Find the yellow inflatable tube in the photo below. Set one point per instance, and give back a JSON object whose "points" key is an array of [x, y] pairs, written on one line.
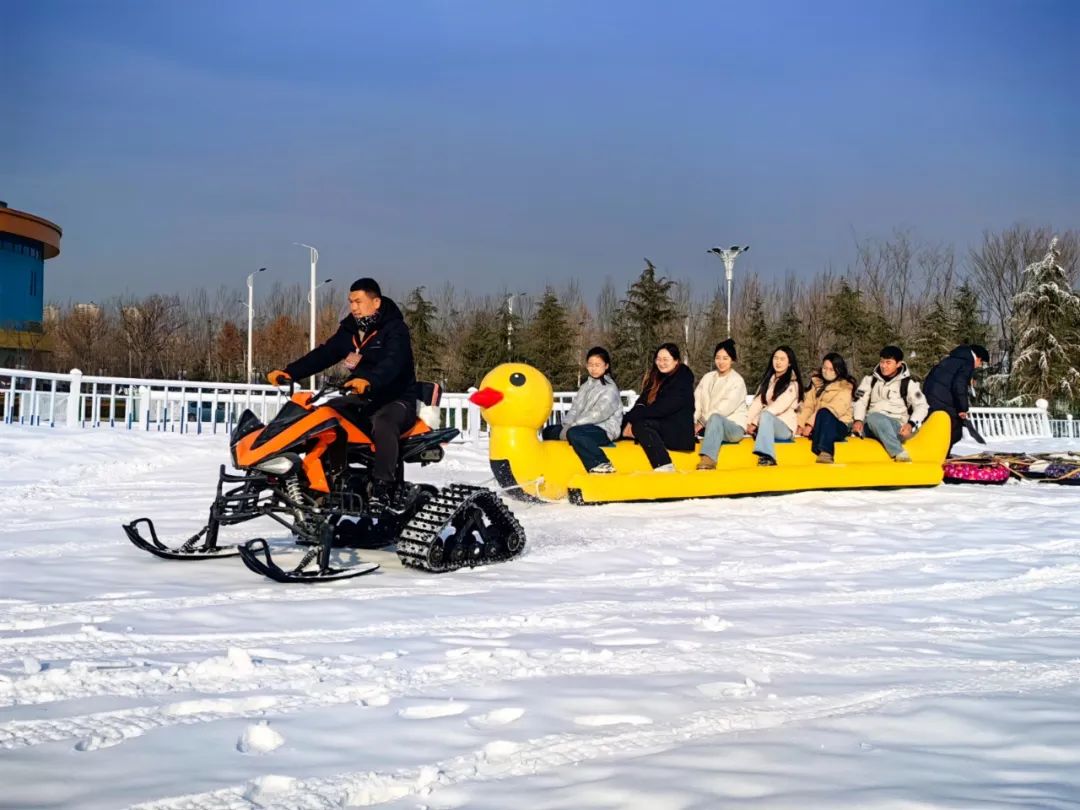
{"points": [[516, 400]]}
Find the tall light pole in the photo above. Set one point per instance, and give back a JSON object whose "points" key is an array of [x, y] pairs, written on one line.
{"points": [[727, 255], [313, 255], [251, 315], [311, 300], [510, 321]]}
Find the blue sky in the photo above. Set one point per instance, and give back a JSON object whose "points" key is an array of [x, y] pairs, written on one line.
{"points": [[509, 144]]}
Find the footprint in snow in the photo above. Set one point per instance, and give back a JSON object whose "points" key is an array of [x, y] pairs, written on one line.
{"points": [[494, 719], [626, 641], [612, 720], [432, 710]]}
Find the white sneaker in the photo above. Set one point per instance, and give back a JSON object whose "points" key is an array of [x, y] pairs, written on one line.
{"points": [[902, 456], [664, 468], [604, 468]]}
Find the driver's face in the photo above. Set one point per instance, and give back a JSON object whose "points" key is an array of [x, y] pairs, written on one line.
{"points": [[361, 305]]}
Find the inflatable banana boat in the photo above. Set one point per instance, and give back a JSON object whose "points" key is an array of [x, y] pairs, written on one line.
{"points": [[516, 401]]}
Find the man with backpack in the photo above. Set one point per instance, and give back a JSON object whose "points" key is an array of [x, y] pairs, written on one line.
{"points": [[889, 404]]}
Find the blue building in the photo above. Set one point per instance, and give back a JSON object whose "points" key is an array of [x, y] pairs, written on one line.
{"points": [[26, 241]]}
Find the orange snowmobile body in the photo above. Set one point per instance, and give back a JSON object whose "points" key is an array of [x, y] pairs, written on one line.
{"points": [[300, 427]]}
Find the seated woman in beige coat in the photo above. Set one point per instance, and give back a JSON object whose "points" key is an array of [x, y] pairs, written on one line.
{"points": [[826, 416], [720, 405], [774, 411]]}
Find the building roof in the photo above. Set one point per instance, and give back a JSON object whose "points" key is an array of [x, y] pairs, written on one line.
{"points": [[29, 226]]}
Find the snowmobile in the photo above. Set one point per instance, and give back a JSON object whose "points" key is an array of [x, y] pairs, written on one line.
{"points": [[309, 469]]}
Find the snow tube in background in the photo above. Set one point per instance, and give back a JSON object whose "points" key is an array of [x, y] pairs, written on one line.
{"points": [[969, 472]]}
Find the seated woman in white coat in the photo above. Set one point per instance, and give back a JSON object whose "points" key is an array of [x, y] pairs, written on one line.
{"points": [[720, 405]]}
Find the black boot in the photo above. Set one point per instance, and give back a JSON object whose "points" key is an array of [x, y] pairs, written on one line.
{"points": [[382, 498]]}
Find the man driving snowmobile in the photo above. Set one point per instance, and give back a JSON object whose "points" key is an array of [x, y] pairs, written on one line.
{"points": [[374, 342]]}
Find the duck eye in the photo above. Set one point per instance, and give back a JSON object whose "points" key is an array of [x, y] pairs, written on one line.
{"points": [[517, 378]]}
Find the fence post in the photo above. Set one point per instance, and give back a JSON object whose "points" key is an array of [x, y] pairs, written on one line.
{"points": [[1044, 418], [144, 406], [9, 403], [74, 402], [474, 415]]}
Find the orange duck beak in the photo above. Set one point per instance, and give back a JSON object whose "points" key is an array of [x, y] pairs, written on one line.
{"points": [[486, 397]]}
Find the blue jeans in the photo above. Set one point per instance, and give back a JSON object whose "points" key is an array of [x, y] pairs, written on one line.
{"points": [[886, 430], [769, 431], [586, 441], [719, 430], [828, 430]]}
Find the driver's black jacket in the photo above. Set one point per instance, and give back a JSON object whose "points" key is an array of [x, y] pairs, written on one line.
{"points": [[386, 357]]}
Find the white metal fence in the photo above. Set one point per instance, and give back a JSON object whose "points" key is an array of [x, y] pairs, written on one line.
{"points": [[181, 406], [188, 406], [1012, 423]]}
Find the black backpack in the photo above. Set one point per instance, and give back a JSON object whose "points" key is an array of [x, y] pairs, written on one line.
{"points": [[905, 386]]}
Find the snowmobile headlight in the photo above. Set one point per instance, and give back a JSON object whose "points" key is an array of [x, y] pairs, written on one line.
{"points": [[278, 465]]}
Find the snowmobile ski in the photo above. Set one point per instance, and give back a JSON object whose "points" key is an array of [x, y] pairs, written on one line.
{"points": [[256, 556], [191, 549]]}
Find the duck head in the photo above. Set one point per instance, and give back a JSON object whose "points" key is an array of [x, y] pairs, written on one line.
{"points": [[514, 395]]}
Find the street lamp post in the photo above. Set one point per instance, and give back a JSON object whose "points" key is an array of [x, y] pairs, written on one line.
{"points": [[311, 300], [251, 315], [510, 322], [727, 255], [313, 255]]}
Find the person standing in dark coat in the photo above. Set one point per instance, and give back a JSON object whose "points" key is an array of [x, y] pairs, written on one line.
{"points": [[946, 386], [663, 417], [373, 341]]}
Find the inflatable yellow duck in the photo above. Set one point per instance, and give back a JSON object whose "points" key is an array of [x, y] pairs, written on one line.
{"points": [[516, 400]]}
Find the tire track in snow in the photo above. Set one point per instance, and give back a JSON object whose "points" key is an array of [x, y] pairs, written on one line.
{"points": [[51, 614], [554, 751], [337, 685], [137, 679], [571, 615]]}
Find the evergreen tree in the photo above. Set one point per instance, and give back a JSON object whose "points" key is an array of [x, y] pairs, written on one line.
{"points": [[644, 320], [714, 329], [846, 318], [1046, 315], [483, 346], [548, 343], [791, 332], [969, 326], [756, 348], [427, 343], [934, 338], [510, 335]]}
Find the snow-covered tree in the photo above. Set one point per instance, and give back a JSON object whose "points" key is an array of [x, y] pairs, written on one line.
{"points": [[1046, 314]]}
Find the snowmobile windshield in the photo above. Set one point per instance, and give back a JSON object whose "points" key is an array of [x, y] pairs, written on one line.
{"points": [[248, 423], [290, 414]]}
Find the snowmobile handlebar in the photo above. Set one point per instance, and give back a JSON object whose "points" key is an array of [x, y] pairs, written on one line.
{"points": [[331, 387]]}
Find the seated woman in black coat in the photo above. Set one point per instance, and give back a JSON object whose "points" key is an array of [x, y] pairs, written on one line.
{"points": [[663, 418]]}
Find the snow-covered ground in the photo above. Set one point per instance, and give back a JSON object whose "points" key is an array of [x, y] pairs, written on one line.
{"points": [[845, 650]]}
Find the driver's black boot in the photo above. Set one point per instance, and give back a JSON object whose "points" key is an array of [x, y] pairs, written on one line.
{"points": [[383, 497]]}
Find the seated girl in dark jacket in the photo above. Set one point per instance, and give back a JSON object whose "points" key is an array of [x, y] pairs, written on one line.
{"points": [[663, 418]]}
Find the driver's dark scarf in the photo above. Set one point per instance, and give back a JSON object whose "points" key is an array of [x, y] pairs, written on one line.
{"points": [[366, 322]]}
